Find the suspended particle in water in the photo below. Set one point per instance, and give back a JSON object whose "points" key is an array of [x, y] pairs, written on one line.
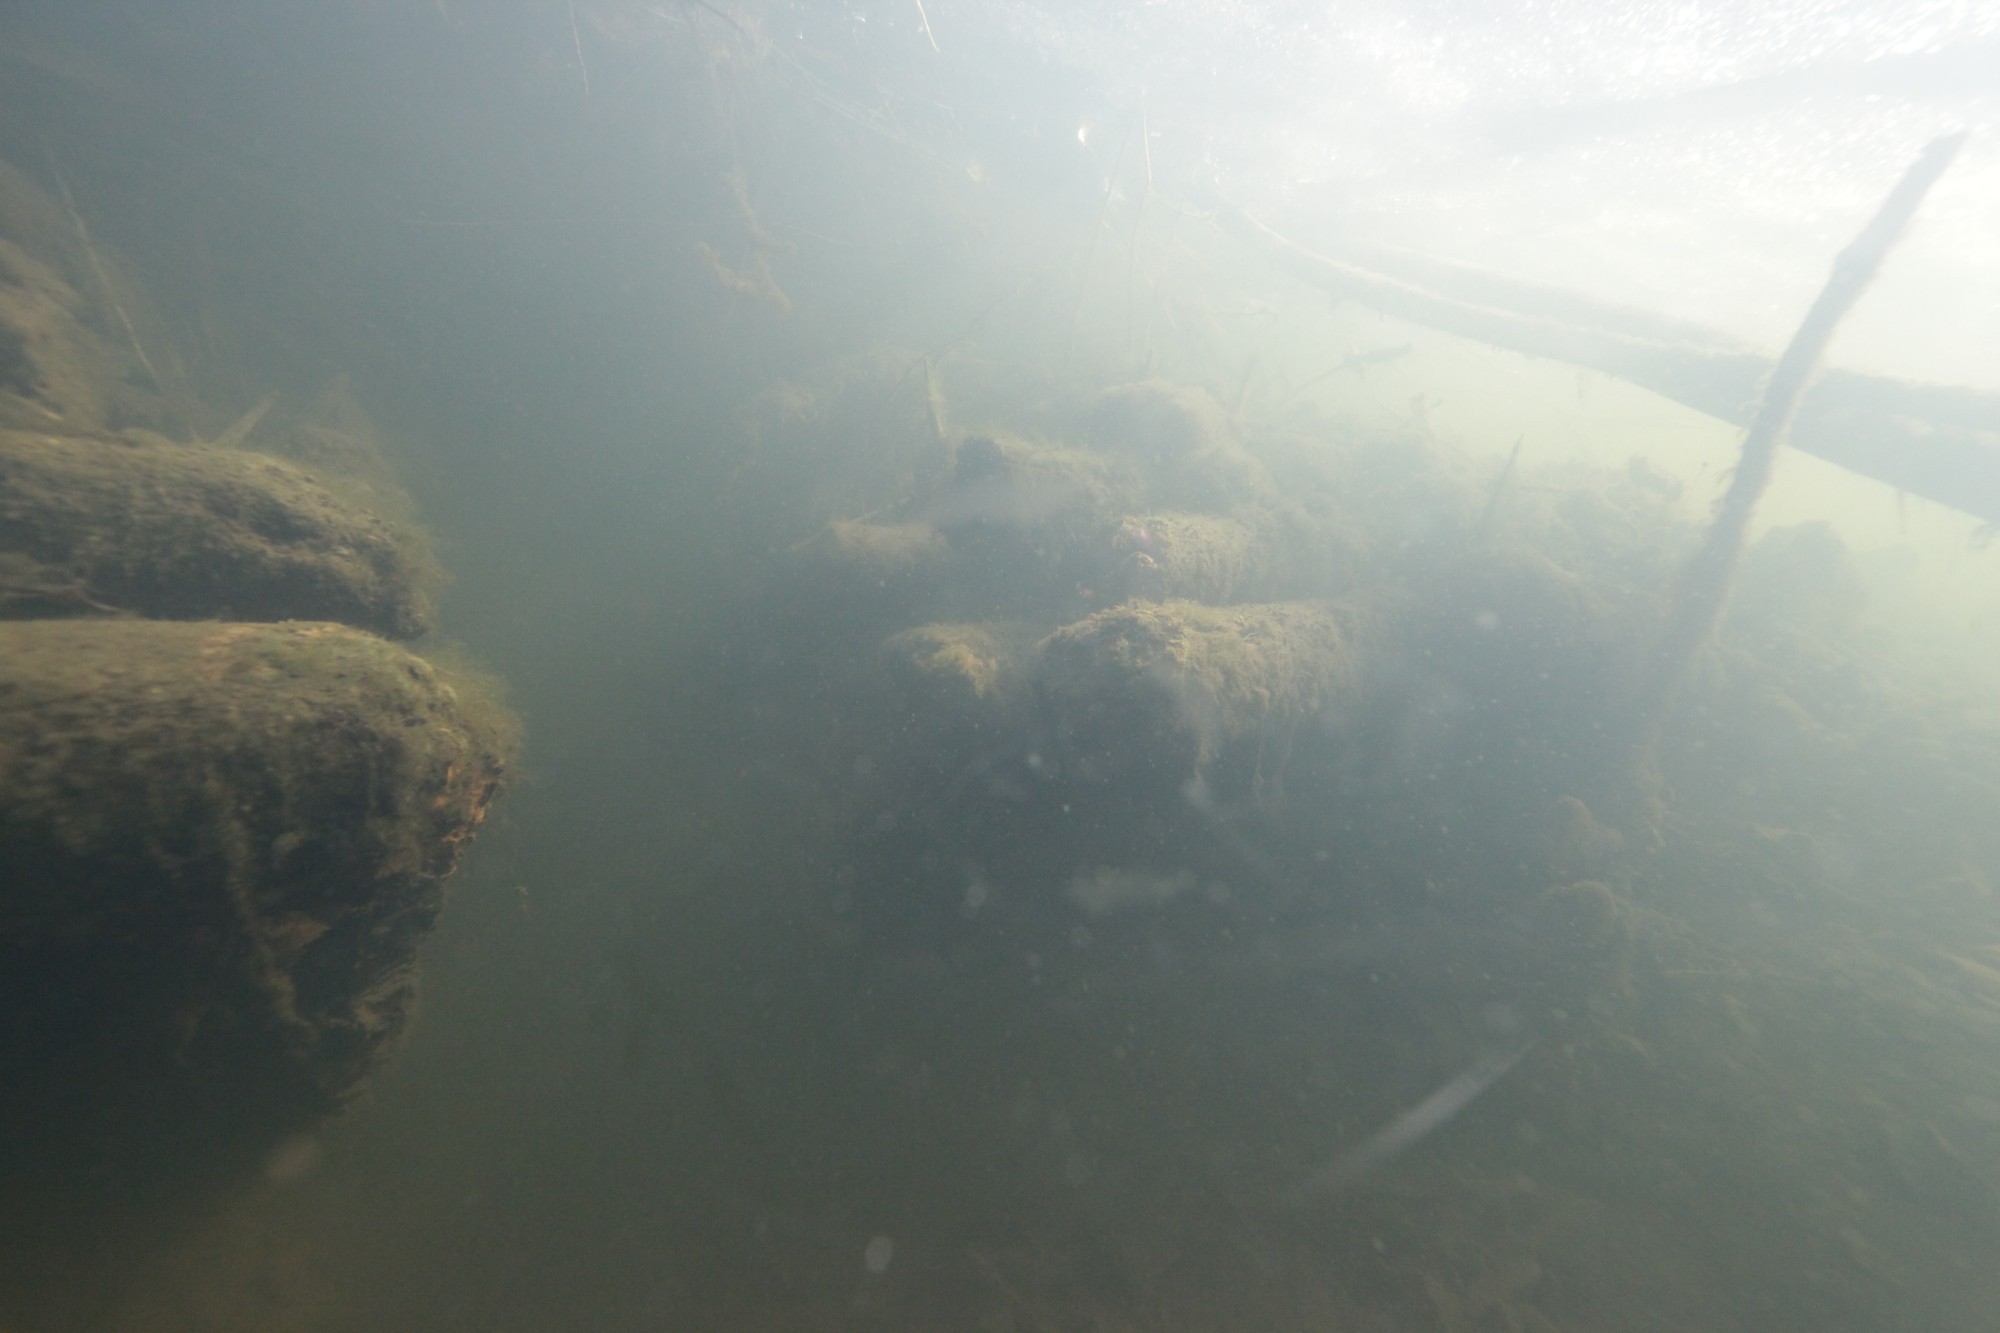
{"points": [[875, 1256], [293, 1160]]}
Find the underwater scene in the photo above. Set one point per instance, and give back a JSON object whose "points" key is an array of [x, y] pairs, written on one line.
{"points": [[878, 665]]}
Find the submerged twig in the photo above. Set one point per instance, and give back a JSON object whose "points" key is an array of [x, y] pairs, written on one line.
{"points": [[103, 276], [576, 40], [1483, 527], [1704, 583], [1096, 233], [1410, 1127], [991, 1272], [1138, 221], [234, 437]]}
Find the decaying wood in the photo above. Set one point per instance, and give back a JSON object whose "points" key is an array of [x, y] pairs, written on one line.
{"points": [[135, 524], [1935, 441], [220, 845]]}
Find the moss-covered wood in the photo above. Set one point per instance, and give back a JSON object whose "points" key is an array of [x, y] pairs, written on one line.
{"points": [[957, 668], [219, 847], [1153, 691], [1175, 555], [54, 370], [90, 525]]}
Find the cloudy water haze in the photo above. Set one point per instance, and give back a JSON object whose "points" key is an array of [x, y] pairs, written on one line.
{"points": [[873, 665]]}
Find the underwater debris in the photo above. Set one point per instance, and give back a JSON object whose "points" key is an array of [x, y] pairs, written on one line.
{"points": [[55, 373], [175, 531], [1181, 438], [755, 279], [1704, 584], [221, 840], [1938, 442], [1004, 482], [1154, 692], [1055, 835], [755, 282], [107, 290], [883, 554], [959, 665], [1174, 556], [1161, 423], [853, 440], [1412, 1126], [71, 354], [221, 844]]}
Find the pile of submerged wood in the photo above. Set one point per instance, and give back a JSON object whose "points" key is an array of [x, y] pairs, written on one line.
{"points": [[227, 797]]}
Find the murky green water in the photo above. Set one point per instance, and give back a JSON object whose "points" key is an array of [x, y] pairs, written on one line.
{"points": [[1075, 776]]}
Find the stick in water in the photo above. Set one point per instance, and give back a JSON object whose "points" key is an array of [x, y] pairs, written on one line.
{"points": [[1704, 584], [576, 40], [1411, 1127]]}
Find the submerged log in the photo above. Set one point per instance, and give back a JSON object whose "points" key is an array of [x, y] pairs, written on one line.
{"points": [[1935, 441], [189, 531], [1151, 693], [1168, 555], [220, 845]]}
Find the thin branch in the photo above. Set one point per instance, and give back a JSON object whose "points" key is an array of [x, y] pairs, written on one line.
{"points": [[576, 40], [174, 402], [1704, 584], [1483, 528]]}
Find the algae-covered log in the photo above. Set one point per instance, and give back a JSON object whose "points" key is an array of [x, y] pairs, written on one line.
{"points": [[1201, 557], [945, 696], [193, 531], [54, 370], [219, 847], [1156, 691], [1003, 483], [1181, 435], [946, 682], [964, 669], [1025, 521], [863, 570]]}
